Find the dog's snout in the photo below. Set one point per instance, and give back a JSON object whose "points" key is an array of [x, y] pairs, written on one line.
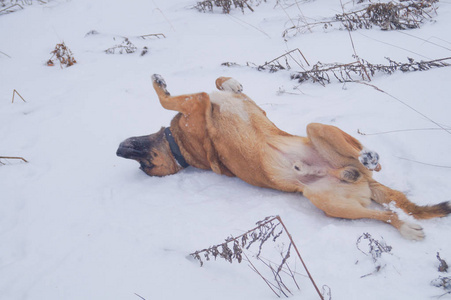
{"points": [[135, 147]]}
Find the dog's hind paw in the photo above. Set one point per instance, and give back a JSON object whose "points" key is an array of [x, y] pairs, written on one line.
{"points": [[370, 160], [232, 85], [412, 231]]}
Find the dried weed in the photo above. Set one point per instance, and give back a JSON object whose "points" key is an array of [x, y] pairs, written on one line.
{"points": [[63, 54], [270, 230], [393, 15], [226, 5], [375, 249]]}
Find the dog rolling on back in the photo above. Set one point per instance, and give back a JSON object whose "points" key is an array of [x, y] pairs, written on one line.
{"points": [[225, 131]]}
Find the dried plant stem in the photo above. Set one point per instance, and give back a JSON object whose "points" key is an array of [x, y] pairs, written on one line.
{"points": [[395, 46], [140, 296], [265, 231], [6, 9], [16, 92], [253, 268], [152, 35], [5, 54], [164, 16], [13, 157], [353, 48], [233, 17], [322, 73], [396, 131], [424, 40], [423, 163], [288, 53], [407, 105], [299, 255]]}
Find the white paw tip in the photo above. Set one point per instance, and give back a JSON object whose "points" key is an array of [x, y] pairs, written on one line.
{"points": [[412, 231], [232, 85]]}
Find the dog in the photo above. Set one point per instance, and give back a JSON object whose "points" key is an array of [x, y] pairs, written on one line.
{"points": [[225, 131]]}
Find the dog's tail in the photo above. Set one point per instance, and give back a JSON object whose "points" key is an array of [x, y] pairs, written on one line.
{"points": [[385, 195]]}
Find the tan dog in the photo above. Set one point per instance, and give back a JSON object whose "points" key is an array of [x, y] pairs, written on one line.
{"points": [[228, 133]]}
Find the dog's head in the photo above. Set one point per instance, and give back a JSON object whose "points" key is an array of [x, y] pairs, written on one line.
{"points": [[152, 152]]}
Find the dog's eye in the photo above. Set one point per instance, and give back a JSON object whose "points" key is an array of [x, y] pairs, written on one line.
{"points": [[154, 154], [297, 168]]}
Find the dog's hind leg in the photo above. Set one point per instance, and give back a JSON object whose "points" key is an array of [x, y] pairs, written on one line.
{"points": [[385, 195], [229, 84], [340, 149], [340, 206]]}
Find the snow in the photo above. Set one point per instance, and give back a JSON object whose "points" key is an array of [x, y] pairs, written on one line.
{"points": [[77, 222]]}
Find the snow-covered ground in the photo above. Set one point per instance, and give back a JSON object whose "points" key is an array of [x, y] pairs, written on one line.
{"points": [[78, 222]]}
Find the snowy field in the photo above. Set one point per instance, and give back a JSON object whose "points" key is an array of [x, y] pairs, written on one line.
{"points": [[78, 222]]}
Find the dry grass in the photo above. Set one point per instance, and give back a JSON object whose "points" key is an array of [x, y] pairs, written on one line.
{"points": [[271, 229], [226, 5], [393, 15], [62, 54], [351, 72]]}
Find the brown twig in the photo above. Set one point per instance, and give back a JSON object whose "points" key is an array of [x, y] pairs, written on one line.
{"points": [[288, 53], [6, 9], [16, 92], [13, 157], [152, 35], [299, 255]]}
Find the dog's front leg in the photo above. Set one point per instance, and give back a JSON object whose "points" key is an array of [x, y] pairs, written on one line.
{"points": [[185, 104]]}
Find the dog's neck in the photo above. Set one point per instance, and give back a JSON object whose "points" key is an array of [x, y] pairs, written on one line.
{"points": [[175, 149]]}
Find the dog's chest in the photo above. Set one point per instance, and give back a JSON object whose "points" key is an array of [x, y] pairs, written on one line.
{"points": [[231, 105]]}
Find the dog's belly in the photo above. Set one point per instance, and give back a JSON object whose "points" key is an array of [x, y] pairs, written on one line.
{"points": [[294, 163], [258, 152]]}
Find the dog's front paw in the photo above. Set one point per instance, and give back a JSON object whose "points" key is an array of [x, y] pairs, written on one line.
{"points": [[159, 81], [370, 160]]}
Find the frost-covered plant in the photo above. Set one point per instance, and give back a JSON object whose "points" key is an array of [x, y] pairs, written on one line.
{"points": [[350, 72], [125, 47], [442, 281], [374, 249], [324, 73], [268, 231], [394, 15], [9, 6], [282, 62], [389, 16], [226, 5]]}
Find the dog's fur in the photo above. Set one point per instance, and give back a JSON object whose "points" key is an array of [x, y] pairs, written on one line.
{"points": [[228, 133]]}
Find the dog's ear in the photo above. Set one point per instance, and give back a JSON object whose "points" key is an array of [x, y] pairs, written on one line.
{"points": [[152, 152]]}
